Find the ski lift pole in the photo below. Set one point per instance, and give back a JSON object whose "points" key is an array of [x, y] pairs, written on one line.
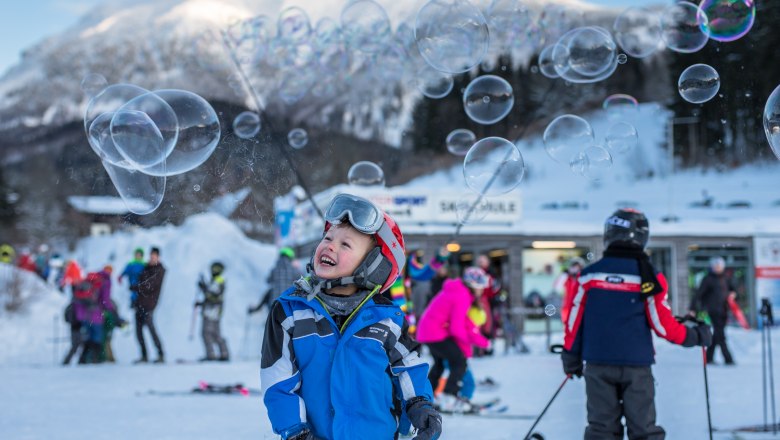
{"points": [[497, 171], [260, 106]]}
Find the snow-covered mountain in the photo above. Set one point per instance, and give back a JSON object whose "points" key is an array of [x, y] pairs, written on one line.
{"points": [[166, 43]]}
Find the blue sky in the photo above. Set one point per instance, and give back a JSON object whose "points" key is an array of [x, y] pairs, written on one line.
{"points": [[25, 22]]}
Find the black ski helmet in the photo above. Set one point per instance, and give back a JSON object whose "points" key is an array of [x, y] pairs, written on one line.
{"points": [[217, 267], [626, 227]]}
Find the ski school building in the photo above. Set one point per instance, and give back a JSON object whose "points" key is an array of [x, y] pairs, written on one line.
{"points": [[530, 239]]}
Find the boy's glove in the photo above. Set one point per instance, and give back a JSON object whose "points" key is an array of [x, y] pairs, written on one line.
{"points": [[305, 434], [425, 418], [572, 363], [700, 334]]}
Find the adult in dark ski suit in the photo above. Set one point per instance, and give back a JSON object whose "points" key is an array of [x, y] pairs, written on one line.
{"points": [[712, 296], [281, 277], [149, 285], [211, 312], [620, 298]]}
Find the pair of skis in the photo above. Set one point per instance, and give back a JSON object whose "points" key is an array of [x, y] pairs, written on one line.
{"points": [[206, 388]]}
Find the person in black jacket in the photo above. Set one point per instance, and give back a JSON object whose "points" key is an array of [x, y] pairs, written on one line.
{"points": [[149, 286], [281, 277], [712, 296]]}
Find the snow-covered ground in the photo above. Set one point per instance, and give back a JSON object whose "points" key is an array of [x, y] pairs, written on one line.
{"points": [[112, 401]]}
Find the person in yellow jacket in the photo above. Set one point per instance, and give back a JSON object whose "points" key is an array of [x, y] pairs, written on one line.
{"points": [[211, 311], [7, 253]]}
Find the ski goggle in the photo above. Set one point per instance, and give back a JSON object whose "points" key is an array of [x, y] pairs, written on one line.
{"points": [[362, 214]]}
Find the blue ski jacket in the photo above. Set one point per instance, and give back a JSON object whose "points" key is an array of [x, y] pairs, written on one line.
{"points": [[348, 383]]}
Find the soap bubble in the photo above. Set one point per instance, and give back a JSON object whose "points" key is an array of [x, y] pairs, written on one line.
{"points": [[137, 138], [621, 137], [365, 25], [578, 164], [620, 105], [565, 136], [297, 138], [141, 192], [92, 84], [433, 84], [145, 128], [550, 310], [99, 136], [488, 99], [591, 51], [772, 121], [365, 173], [196, 187], [199, 132], [574, 67], [729, 20], [546, 65], [293, 26], [684, 27], [599, 162], [452, 35], [246, 125], [109, 100], [637, 31], [493, 166], [459, 141], [622, 58], [699, 83]]}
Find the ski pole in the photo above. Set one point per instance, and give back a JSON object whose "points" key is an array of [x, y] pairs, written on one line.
{"points": [[771, 377], [192, 322], [530, 431], [763, 370], [706, 388]]}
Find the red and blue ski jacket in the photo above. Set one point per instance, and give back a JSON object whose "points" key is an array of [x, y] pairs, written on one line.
{"points": [[348, 383], [610, 320]]}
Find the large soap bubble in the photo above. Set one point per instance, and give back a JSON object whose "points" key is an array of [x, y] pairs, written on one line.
{"points": [[488, 99], [144, 128], [621, 137], [109, 100], [493, 166], [729, 20], [199, 132], [772, 121], [566, 136], [460, 140], [574, 68], [365, 173], [684, 27], [141, 192], [599, 162], [452, 35], [698, 83], [137, 138], [365, 25], [546, 64], [246, 125], [591, 51], [638, 32]]}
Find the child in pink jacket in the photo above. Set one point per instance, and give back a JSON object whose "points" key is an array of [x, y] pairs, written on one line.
{"points": [[448, 332]]}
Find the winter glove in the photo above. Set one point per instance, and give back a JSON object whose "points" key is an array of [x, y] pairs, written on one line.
{"points": [[700, 334], [305, 434], [572, 363], [425, 418], [202, 285]]}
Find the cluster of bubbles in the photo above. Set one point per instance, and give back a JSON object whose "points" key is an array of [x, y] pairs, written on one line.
{"points": [[144, 136]]}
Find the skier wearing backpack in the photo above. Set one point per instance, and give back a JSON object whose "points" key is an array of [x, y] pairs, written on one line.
{"points": [[619, 299], [211, 312], [92, 297]]}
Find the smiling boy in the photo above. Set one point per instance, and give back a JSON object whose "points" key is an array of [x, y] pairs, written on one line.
{"points": [[337, 361]]}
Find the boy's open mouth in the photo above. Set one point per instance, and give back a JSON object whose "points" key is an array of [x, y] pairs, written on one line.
{"points": [[327, 261]]}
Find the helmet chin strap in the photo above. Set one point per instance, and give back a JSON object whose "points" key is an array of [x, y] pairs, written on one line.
{"points": [[313, 284]]}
